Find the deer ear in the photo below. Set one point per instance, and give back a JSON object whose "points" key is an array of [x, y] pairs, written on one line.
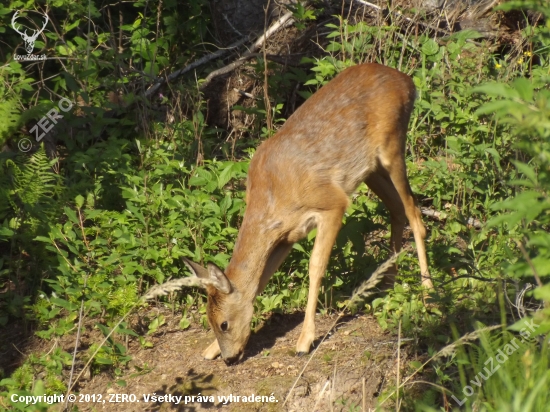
{"points": [[196, 269], [218, 279], [214, 276]]}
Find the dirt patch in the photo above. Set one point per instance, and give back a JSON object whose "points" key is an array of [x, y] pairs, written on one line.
{"points": [[350, 368]]}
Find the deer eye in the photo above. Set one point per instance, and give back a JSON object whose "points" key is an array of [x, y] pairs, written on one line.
{"points": [[223, 326]]}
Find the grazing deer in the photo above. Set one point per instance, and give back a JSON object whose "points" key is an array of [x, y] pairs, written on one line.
{"points": [[352, 130]]}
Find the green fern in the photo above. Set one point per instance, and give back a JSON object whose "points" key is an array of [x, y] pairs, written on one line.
{"points": [[29, 187]]}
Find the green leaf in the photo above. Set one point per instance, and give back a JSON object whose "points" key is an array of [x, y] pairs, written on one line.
{"points": [[226, 175], [524, 88], [198, 181], [79, 200], [495, 156], [184, 323], [494, 107], [496, 89], [155, 324], [103, 361], [527, 170], [71, 214], [4, 231], [430, 47], [64, 304], [522, 200]]}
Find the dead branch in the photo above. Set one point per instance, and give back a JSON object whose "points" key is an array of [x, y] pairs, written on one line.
{"points": [[455, 278], [282, 22], [476, 223], [245, 94], [201, 61]]}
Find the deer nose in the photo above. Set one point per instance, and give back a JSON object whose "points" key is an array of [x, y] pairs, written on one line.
{"points": [[234, 359], [231, 361]]}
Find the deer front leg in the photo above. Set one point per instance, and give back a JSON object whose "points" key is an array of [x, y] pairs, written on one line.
{"points": [[212, 352], [327, 230]]}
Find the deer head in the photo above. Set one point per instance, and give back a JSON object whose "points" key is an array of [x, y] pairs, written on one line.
{"points": [[229, 312], [29, 40]]}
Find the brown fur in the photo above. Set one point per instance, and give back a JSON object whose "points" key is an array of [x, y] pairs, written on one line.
{"points": [[352, 130]]}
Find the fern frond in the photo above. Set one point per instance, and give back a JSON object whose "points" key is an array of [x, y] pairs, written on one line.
{"points": [[367, 288], [28, 184], [451, 349]]}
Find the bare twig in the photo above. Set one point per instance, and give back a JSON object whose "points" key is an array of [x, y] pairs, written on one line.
{"points": [[76, 344], [70, 387], [267, 103], [320, 396], [398, 13], [231, 25], [364, 400], [172, 286], [455, 278], [283, 21], [245, 94], [442, 216], [195, 64], [398, 365]]}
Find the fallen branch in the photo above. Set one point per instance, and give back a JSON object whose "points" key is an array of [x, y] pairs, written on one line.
{"points": [[201, 61], [455, 278], [476, 223], [282, 22]]}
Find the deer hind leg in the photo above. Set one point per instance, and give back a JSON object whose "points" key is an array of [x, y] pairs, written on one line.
{"points": [[398, 175], [328, 226], [383, 187]]}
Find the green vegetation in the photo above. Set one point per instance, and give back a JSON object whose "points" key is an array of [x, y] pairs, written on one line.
{"points": [[83, 236]]}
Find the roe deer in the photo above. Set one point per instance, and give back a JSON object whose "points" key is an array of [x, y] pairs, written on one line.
{"points": [[352, 130]]}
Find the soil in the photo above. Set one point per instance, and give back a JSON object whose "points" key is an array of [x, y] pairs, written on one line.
{"points": [[348, 371]]}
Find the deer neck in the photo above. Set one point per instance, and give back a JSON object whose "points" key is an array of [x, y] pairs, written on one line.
{"points": [[252, 250]]}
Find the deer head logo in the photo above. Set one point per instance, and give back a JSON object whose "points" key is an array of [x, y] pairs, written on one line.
{"points": [[29, 40]]}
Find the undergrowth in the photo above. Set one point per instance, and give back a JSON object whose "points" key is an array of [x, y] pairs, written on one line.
{"points": [[85, 243]]}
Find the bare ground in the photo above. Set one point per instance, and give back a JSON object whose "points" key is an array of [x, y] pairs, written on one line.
{"points": [[354, 363]]}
